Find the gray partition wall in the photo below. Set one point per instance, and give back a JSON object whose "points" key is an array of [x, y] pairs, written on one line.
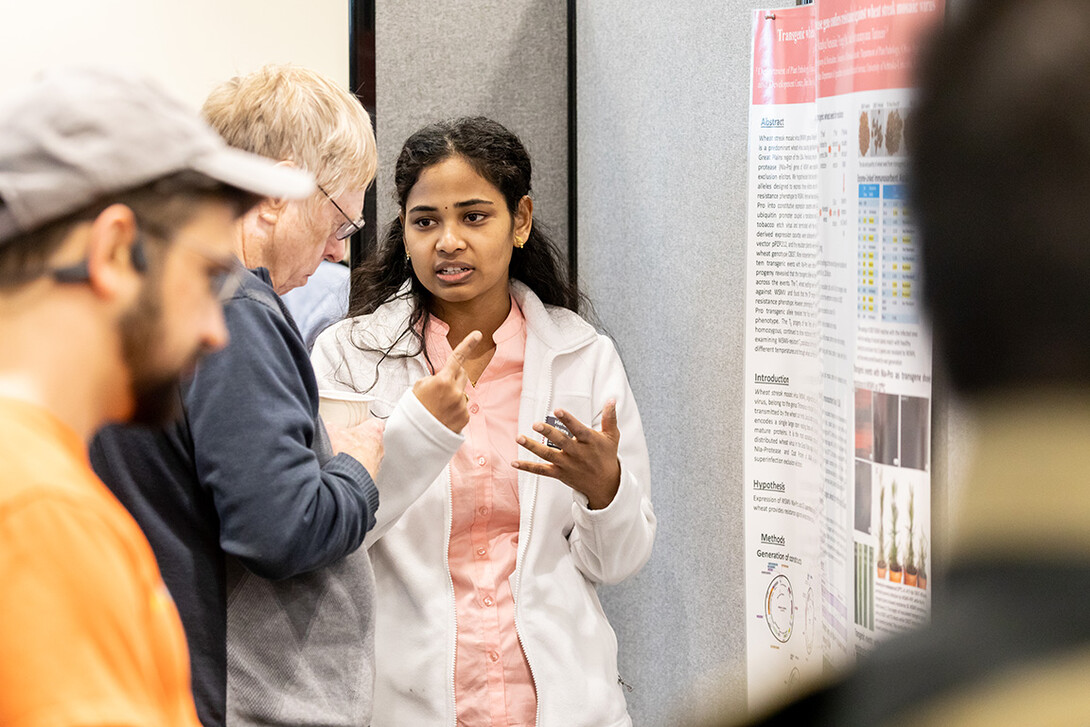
{"points": [[662, 102], [506, 59]]}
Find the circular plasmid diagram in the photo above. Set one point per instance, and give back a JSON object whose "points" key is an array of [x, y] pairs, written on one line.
{"points": [[780, 608]]}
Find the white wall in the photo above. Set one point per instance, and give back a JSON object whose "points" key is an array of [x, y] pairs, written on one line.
{"points": [[189, 45]]}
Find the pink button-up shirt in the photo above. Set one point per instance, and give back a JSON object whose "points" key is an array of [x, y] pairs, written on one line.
{"points": [[492, 680]]}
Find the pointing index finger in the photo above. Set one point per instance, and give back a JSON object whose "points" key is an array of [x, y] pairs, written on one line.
{"points": [[463, 350]]}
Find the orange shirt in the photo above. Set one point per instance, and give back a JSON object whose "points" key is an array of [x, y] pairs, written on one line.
{"points": [[88, 633], [492, 680]]}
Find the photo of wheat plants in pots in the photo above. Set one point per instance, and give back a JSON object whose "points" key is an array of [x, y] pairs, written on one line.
{"points": [[903, 533]]}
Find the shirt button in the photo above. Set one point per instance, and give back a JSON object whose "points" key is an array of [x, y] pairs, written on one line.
{"points": [[474, 409], [481, 552], [487, 600], [482, 461], [493, 656], [482, 510]]}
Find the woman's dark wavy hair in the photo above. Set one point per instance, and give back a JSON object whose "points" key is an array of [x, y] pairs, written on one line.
{"points": [[501, 159]]}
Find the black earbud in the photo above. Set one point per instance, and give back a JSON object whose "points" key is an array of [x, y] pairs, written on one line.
{"points": [[139, 258], [79, 273]]}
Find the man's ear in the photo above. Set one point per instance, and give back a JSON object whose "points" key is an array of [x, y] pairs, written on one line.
{"points": [[114, 262], [269, 210]]}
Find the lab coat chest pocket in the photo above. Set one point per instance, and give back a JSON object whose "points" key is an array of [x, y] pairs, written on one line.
{"points": [[578, 404], [571, 391]]}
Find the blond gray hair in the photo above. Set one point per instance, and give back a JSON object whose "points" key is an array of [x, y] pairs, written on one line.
{"points": [[289, 113]]}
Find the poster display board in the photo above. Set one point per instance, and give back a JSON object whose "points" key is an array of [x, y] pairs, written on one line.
{"points": [[838, 360]]}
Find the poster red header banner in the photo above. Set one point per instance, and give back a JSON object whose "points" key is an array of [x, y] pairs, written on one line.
{"points": [[834, 47], [784, 44]]}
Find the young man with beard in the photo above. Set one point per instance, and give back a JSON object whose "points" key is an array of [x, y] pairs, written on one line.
{"points": [[117, 207]]}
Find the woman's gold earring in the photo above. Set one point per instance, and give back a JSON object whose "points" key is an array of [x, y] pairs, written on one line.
{"points": [[519, 242], [407, 255]]}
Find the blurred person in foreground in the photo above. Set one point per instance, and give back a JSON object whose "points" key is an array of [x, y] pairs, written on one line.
{"points": [[117, 207], [1001, 191]]}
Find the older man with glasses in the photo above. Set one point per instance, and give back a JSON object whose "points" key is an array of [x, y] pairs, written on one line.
{"points": [[324, 299]]}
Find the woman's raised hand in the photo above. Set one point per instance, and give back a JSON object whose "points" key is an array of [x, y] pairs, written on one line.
{"points": [[444, 392], [586, 461]]}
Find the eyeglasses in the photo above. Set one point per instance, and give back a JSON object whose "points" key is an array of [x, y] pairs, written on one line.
{"points": [[349, 228], [224, 273]]}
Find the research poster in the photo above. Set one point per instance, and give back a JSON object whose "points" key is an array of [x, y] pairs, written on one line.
{"points": [[838, 359]]}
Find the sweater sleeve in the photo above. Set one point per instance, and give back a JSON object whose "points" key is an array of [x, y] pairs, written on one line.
{"points": [[282, 511], [612, 543]]}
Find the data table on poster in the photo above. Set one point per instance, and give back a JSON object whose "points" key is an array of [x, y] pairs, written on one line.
{"points": [[899, 264], [870, 211]]}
